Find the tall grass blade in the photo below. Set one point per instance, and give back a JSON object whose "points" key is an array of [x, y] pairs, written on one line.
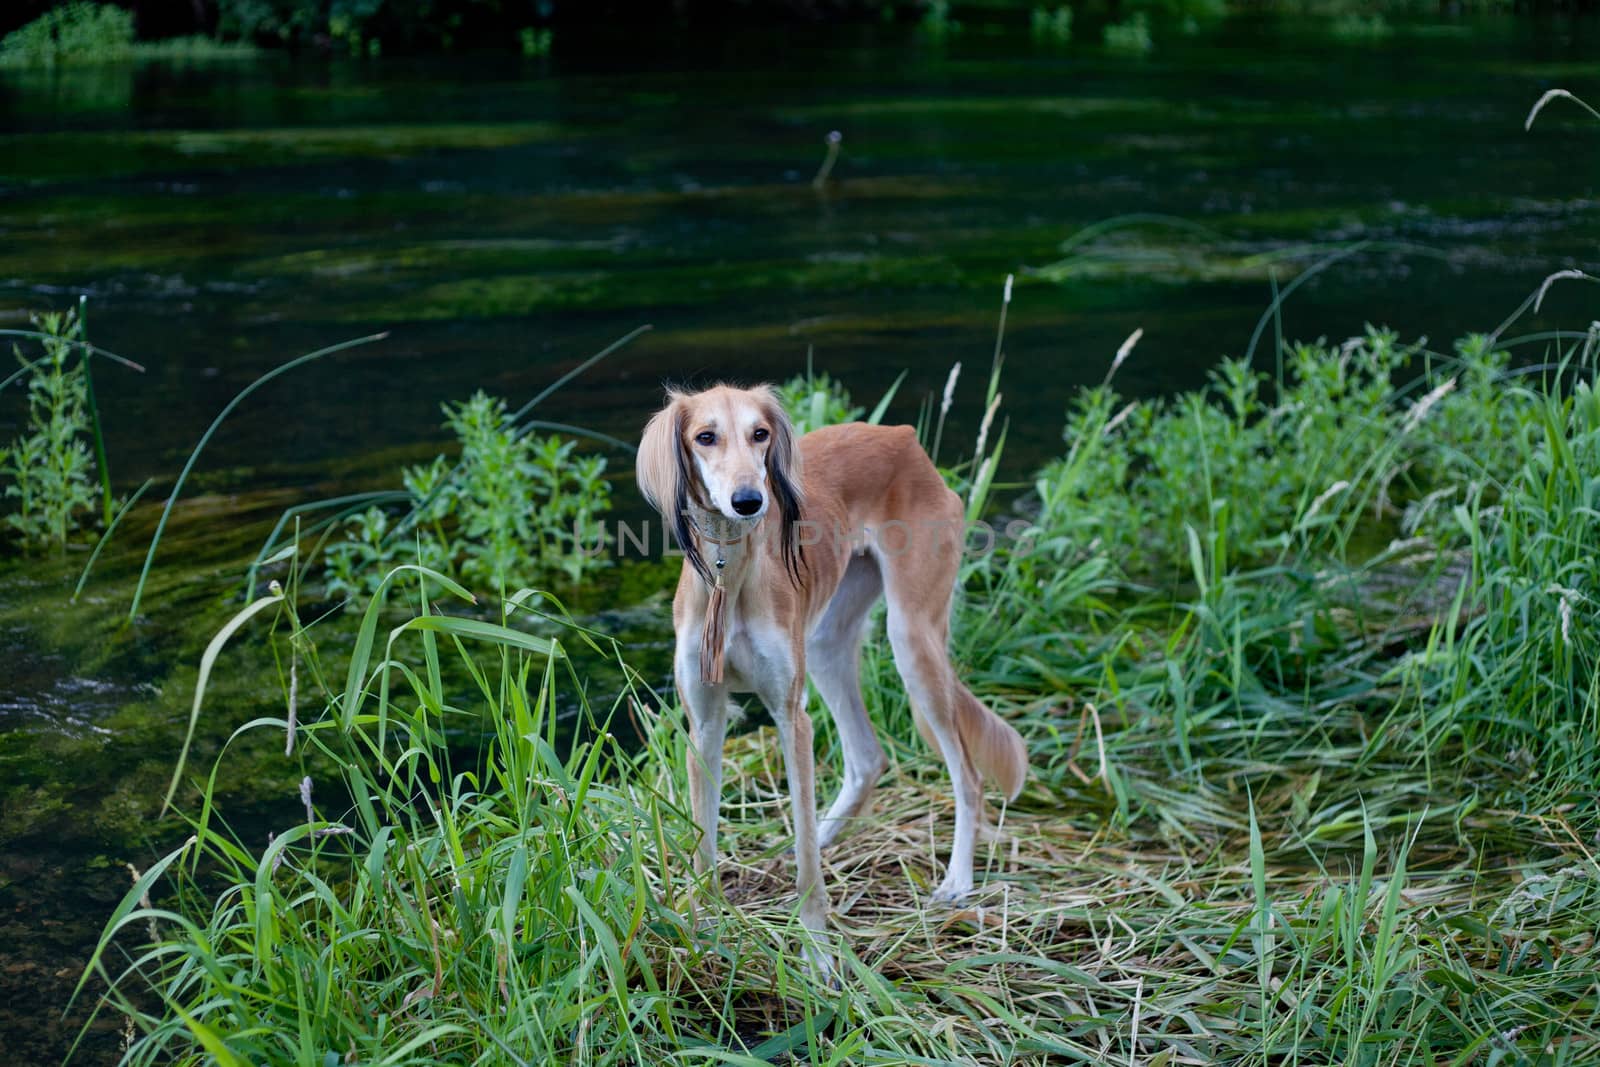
{"points": [[1274, 309], [105, 537], [39, 335], [549, 390], [207, 660], [177, 487], [101, 462], [366, 635], [882, 407], [210, 1041]]}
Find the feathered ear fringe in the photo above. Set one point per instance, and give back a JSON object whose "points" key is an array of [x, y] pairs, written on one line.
{"points": [[783, 478], [663, 469]]}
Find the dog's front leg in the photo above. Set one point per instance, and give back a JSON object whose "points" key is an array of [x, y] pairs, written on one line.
{"points": [[707, 708], [788, 703]]}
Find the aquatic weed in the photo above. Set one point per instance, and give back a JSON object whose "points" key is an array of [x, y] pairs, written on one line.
{"points": [[48, 470]]}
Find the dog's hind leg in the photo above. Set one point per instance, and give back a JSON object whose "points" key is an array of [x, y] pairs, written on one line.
{"points": [[918, 585], [833, 655]]}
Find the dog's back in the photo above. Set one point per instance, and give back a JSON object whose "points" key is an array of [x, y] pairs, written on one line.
{"points": [[879, 473]]}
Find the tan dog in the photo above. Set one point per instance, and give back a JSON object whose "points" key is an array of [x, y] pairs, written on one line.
{"points": [[786, 550]]}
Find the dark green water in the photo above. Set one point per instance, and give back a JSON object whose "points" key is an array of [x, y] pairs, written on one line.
{"points": [[504, 219]]}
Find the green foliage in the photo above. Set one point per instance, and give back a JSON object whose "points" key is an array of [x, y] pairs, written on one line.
{"points": [[516, 508], [815, 400], [1293, 553], [82, 34], [1131, 36], [1293, 473], [1478, 435], [1521, 678], [49, 469], [1048, 25], [422, 911], [287, 20], [1075, 507], [356, 25], [75, 32]]}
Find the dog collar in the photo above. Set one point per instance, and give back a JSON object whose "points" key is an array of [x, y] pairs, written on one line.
{"points": [[718, 528]]}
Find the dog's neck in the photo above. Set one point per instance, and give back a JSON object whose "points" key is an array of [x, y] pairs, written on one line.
{"points": [[725, 544], [720, 531]]}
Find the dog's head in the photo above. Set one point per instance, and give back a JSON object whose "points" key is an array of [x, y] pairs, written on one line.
{"points": [[727, 451]]}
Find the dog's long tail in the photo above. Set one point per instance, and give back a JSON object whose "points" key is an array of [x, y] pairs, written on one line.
{"points": [[992, 744]]}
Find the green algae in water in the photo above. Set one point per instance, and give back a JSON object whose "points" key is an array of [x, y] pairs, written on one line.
{"points": [[52, 156]]}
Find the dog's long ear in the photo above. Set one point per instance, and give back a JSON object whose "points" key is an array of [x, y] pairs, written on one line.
{"points": [[783, 477], [663, 470], [656, 466]]}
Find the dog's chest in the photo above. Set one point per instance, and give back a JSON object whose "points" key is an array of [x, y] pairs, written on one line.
{"points": [[757, 656]]}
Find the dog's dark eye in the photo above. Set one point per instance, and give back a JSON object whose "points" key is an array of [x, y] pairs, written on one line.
{"points": [[706, 437], [761, 434]]}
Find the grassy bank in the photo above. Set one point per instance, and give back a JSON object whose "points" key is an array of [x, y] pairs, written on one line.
{"points": [[1305, 663]]}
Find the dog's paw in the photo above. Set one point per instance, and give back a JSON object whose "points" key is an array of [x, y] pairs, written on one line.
{"points": [[952, 889], [820, 962]]}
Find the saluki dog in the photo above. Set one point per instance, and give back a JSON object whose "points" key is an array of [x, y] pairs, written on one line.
{"points": [[787, 545]]}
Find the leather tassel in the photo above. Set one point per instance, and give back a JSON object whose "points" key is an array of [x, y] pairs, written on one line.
{"points": [[715, 635]]}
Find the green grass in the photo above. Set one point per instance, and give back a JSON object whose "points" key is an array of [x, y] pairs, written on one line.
{"points": [[1306, 665]]}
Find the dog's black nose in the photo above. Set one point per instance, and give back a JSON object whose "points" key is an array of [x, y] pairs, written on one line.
{"points": [[746, 501]]}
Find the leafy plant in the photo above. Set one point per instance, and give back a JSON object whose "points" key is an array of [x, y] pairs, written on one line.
{"points": [[74, 32], [49, 468], [517, 507], [1266, 474], [815, 400], [362, 27]]}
